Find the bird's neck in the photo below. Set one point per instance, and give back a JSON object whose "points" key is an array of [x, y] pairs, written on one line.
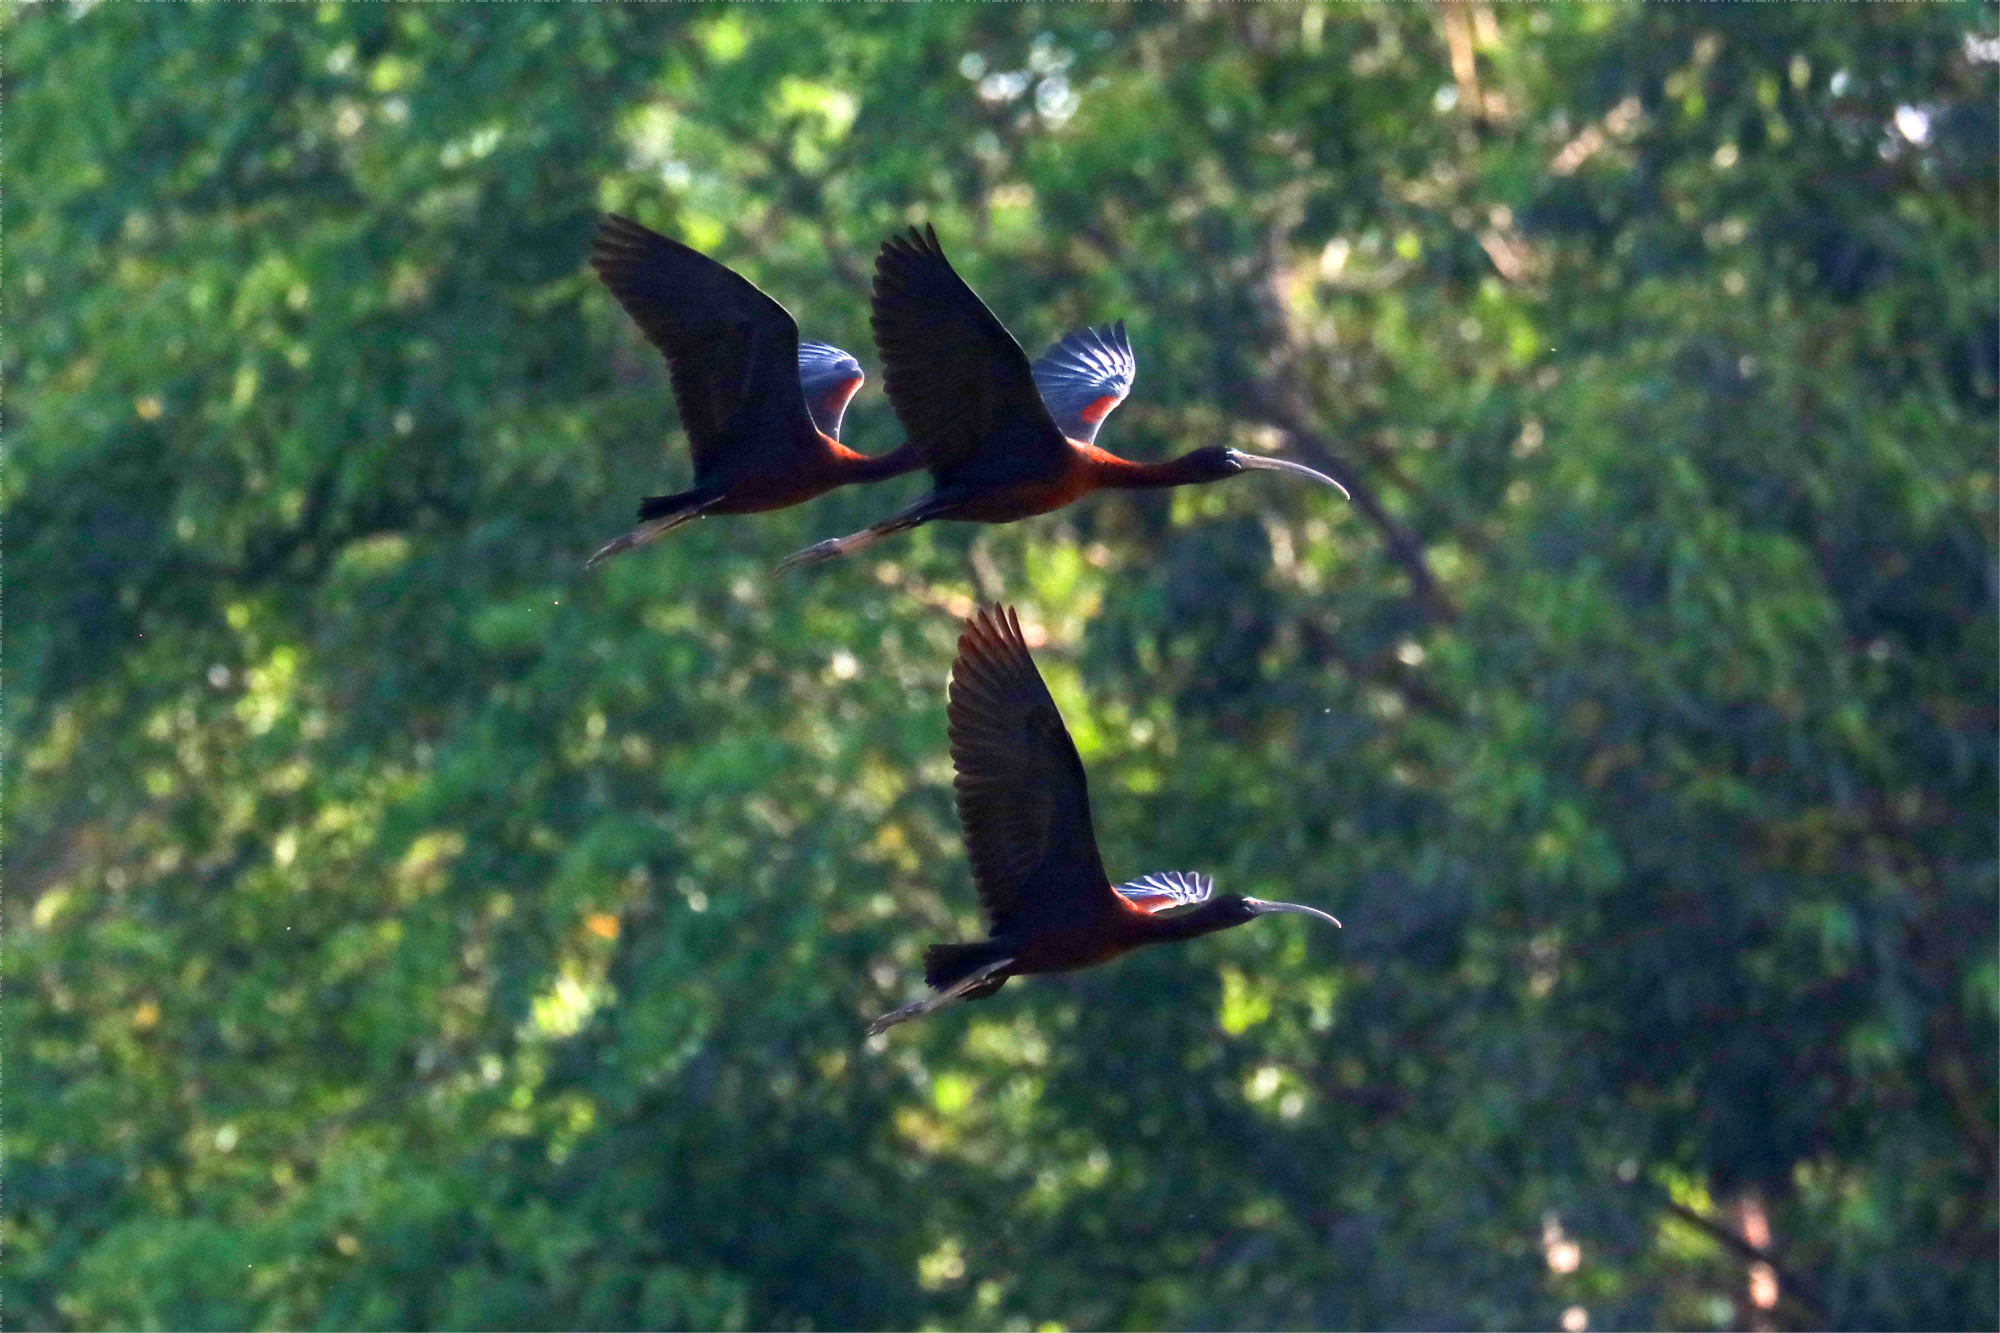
{"points": [[1122, 474], [860, 467]]}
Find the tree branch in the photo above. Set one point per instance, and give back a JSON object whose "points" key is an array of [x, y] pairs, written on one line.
{"points": [[1404, 547], [1801, 1289], [1277, 402], [1404, 684], [1281, 401]]}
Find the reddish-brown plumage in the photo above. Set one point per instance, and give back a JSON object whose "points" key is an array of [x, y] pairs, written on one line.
{"points": [[1101, 408], [1025, 807], [814, 468], [971, 403], [1121, 929], [752, 398], [833, 404]]}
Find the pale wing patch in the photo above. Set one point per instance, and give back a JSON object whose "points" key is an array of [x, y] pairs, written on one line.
{"points": [[829, 377], [1084, 376], [1165, 889]]}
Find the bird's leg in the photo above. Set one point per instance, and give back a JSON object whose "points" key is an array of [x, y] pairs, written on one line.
{"points": [[646, 533], [835, 547], [830, 549], [938, 999]]}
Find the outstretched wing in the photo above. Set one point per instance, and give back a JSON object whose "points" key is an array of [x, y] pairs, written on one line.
{"points": [[729, 347], [1020, 786], [1084, 376], [829, 377], [959, 382], [1167, 889]]}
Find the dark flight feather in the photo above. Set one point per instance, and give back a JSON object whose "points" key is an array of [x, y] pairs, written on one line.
{"points": [[1022, 797], [957, 379], [729, 347]]}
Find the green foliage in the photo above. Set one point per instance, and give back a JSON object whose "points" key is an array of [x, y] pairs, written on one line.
{"points": [[410, 930]]}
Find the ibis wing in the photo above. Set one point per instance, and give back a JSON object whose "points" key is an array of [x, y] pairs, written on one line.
{"points": [[829, 378], [728, 346], [1084, 376], [959, 382], [1167, 889], [1020, 786]]}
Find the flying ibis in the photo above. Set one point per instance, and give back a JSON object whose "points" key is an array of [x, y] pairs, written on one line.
{"points": [[1025, 809], [762, 409], [1004, 439]]}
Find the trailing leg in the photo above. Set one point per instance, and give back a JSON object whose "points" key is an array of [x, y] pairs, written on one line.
{"points": [[923, 511], [975, 984], [661, 515]]}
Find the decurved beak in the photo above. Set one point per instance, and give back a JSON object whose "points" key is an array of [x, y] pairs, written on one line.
{"points": [[1258, 907], [1259, 463]]}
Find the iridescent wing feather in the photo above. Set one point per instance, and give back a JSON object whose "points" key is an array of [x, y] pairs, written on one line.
{"points": [[829, 377], [1167, 889], [1084, 376]]}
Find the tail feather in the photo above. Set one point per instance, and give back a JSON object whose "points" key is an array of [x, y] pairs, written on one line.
{"points": [[660, 506], [945, 965]]}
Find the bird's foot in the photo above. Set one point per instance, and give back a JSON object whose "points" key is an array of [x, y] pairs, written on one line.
{"points": [[818, 553], [914, 1009], [616, 546]]}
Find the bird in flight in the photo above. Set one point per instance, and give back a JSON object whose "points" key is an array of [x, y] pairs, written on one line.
{"points": [[1025, 809], [1004, 439], [761, 408]]}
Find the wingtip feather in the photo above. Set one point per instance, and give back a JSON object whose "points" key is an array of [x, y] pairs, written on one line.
{"points": [[991, 648]]}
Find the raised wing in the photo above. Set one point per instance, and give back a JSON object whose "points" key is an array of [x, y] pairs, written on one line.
{"points": [[1084, 376], [1167, 889], [829, 377], [728, 346], [959, 382], [1020, 786]]}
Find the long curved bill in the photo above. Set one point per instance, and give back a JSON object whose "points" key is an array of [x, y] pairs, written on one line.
{"points": [[1259, 463], [1258, 907]]}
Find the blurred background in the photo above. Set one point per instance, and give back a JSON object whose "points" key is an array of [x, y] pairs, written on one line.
{"points": [[408, 930]]}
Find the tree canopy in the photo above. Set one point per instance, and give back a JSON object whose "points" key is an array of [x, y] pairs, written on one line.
{"points": [[407, 929]]}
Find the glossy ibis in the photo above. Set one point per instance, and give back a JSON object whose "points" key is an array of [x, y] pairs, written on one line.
{"points": [[1004, 439], [762, 409], [1025, 808]]}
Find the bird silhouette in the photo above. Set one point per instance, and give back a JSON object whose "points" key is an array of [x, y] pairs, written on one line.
{"points": [[762, 409], [1004, 439], [1025, 808]]}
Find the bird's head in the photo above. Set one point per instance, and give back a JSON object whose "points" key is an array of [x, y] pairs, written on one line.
{"points": [[1218, 461], [1254, 907], [1231, 909]]}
